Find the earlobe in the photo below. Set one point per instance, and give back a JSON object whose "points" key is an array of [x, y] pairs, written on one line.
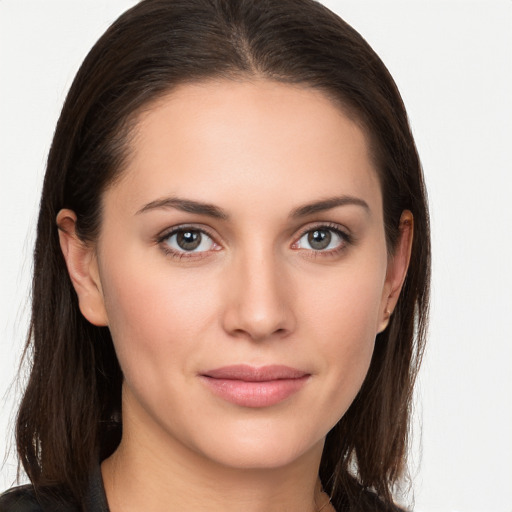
{"points": [[397, 270], [82, 268]]}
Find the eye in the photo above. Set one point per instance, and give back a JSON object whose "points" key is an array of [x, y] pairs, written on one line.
{"points": [[187, 240], [322, 238]]}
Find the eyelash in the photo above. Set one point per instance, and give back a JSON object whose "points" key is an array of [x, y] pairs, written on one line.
{"points": [[179, 255], [346, 240]]}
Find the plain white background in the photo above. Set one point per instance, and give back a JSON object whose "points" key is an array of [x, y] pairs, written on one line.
{"points": [[452, 61]]}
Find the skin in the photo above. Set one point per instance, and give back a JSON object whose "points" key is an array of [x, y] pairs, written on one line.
{"points": [[255, 292]]}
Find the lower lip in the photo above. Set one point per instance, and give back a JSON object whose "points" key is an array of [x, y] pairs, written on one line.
{"points": [[255, 394]]}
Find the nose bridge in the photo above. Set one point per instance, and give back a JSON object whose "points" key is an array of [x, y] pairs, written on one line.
{"points": [[259, 304]]}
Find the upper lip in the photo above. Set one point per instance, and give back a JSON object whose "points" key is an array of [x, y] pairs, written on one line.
{"points": [[247, 373]]}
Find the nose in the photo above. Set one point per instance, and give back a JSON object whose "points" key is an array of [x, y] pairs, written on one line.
{"points": [[259, 303]]}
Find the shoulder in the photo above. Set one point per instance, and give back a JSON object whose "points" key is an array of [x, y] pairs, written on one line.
{"points": [[24, 499], [371, 502], [19, 499], [364, 500]]}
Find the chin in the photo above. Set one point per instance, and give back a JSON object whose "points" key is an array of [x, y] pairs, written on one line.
{"points": [[262, 449]]}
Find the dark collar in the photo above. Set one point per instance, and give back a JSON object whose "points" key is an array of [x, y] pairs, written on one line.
{"points": [[51, 499], [95, 499]]}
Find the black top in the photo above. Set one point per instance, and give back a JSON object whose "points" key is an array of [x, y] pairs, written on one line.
{"points": [[24, 499]]}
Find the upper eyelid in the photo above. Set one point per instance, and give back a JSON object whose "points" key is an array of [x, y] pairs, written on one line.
{"points": [[334, 226], [166, 233]]}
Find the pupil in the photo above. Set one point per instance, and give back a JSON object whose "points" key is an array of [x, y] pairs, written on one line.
{"points": [[319, 239], [188, 240]]}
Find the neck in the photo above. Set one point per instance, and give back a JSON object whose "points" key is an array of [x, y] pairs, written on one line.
{"points": [[155, 473]]}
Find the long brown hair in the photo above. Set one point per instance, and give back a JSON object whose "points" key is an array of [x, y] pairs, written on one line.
{"points": [[69, 417]]}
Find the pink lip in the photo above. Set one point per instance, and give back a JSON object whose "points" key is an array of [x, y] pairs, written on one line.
{"points": [[249, 386]]}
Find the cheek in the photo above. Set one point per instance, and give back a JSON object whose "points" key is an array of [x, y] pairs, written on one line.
{"points": [[153, 316], [345, 304], [343, 316]]}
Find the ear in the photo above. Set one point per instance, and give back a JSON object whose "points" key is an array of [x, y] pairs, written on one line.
{"points": [[397, 270], [83, 269]]}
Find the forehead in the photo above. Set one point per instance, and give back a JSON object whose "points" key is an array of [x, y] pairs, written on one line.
{"points": [[246, 139]]}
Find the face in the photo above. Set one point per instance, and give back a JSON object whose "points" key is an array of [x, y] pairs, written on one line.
{"points": [[242, 270]]}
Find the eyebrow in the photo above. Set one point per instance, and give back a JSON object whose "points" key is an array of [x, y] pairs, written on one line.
{"points": [[186, 205], [328, 204], [210, 210]]}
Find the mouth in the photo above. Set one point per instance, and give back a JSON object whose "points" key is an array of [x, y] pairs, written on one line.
{"points": [[249, 386]]}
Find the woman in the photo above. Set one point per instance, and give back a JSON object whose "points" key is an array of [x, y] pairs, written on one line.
{"points": [[231, 270]]}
